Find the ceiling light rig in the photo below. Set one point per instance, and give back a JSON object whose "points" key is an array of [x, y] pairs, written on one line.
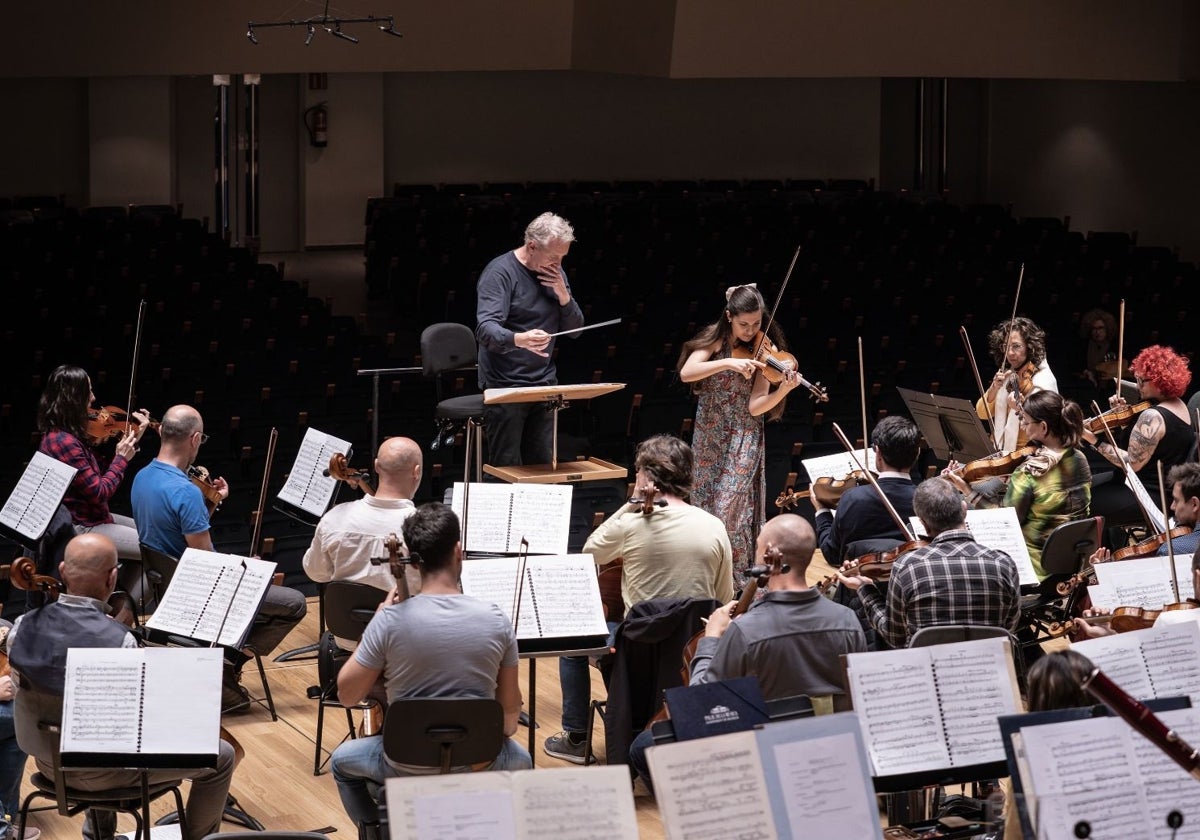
{"points": [[332, 25]]}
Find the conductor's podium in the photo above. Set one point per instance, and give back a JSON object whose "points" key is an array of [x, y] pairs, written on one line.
{"points": [[556, 398]]}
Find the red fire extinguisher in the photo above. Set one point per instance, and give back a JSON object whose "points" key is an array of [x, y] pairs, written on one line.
{"points": [[317, 125]]}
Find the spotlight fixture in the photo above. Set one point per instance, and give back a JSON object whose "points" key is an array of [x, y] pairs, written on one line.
{"points": [[332, 25]]}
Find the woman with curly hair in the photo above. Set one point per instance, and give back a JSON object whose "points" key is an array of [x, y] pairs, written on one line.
{"points": [[1162, 433], [1018, 347]]}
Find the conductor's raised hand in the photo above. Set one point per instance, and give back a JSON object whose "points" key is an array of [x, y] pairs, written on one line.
{"points": [[535, 341], [551, 277]]}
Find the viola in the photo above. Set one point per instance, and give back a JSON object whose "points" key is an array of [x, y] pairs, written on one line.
{"points": [[24, 575], [372, 723], [826, 490], [645, 501], [111, 422], [877, 565], [212, 496], [340, 469], [1000, 463], [1150, 546], [1115, 418], [778, 364]]}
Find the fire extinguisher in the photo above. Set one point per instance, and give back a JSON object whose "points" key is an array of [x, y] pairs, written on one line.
{"points": [[317, 125]]}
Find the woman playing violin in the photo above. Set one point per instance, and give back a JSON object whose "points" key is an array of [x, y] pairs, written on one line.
{"points": [[1018, 347], [62, 420], [1162, 433], [1054, 484], [728, 477]]}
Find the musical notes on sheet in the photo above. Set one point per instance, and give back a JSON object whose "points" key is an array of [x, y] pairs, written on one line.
{"points": [[1155, 662], [38, 493], [210, 593], [1141, 582], [307, 487], [501, 514], [560, 596]]}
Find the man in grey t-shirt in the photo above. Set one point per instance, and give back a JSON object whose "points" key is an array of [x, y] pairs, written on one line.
{"points": [[439, 643]]}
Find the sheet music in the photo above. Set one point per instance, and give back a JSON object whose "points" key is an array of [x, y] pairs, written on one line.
{"points": [[712, 787], [205, 584], [934, 707], [501, 514], [555, 804], [1168, 786], [1141, 582], [559, 804], [1149, 505], [837, 465], [306, 487], [38, 493], [118, 700], [998, 528], [818, 779], [560, 595], [1155, 662]]}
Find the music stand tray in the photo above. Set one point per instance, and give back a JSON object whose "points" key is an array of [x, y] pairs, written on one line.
{"points": [[556, 397], [949, 424]]}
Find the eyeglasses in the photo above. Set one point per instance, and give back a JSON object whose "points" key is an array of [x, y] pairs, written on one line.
{"points": [[203, 438]]}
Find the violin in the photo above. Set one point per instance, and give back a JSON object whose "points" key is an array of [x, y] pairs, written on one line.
{"points": [[212, 496], [647, 503], [111, 422], [778, 364], [1000, 463], [826, 490], [1150, 546], [359, 479], [877, 565], [1115, 418], [396, 562], [23, 574]]}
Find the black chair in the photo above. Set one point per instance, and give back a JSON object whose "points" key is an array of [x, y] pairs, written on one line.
{"points": [[1064, 555], [448, 347], [41, 737], [159, 568], [349, 607], [443, 732]]}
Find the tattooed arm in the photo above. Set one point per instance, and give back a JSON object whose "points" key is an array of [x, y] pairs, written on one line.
{"points": [[1143, 440]]}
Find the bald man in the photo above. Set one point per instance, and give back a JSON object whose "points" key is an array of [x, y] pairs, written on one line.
{"points": [[350, 534], [38, 645], [171, 517], [791, 638]]}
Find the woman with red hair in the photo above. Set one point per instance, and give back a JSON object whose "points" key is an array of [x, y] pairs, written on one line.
{"points": [[1162, 433]]}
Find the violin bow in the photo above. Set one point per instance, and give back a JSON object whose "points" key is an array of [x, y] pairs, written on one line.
{"points": [[1012, 319], [904, 529], [1162, 500], [522, 560], [962, 332], [262, 493], [137, 343], [778, 297], [1120, 348], [862, 393]]}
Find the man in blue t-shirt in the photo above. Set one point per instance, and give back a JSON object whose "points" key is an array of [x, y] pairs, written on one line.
{"points": [[171, 517], [522, 298]]}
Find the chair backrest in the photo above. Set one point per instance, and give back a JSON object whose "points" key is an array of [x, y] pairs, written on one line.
{"points": [[158, 568], [53, 544], [1070, 544], [944, 634], [447, 346], [349, 607], [443, 732]]}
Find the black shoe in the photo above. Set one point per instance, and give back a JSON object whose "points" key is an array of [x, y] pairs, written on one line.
{"points": [[234, 699]]}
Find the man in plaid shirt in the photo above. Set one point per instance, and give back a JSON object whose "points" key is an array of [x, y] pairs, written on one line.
{"points": [[954, 580]]}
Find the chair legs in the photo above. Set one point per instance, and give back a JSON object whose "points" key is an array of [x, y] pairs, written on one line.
{"points": [[597, 708], [262, 674]]}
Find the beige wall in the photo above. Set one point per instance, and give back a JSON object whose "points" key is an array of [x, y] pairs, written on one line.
{"points": [[131, 156]]}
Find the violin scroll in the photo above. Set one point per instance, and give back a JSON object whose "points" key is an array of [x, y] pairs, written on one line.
{"points": [[340, 470], [212, 493], [645, 498]]}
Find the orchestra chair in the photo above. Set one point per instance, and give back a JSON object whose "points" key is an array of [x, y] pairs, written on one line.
{"points": [[41, 738], [50, 548], [447, 347], [349, 607], [443, 732], [1065, 553], [267, 835], [159, 568]]}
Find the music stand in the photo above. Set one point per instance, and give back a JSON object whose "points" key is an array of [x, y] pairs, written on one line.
{"points": [[950, 425], [556, 398]]}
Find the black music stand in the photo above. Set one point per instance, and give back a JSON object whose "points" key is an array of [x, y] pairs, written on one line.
{"points": [[950, 425]]}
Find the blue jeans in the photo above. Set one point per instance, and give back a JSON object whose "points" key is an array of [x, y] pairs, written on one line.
{"points": [[359, 761], [576, 683], [637, 757], [12, 768]]}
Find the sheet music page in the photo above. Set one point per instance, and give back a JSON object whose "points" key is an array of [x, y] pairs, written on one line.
{"points": [[501, 514], [976, 683], [712, 787], [560, 595], [818, 779], [837, 465], [209, 588], [119, 700], [998, 528], [38, 493], [479, 805], [1082, 770], [1155, 662], [562, 804], [1168, 786], [1142, 582], [306, 487], [897, 706], [1149, 505]]}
